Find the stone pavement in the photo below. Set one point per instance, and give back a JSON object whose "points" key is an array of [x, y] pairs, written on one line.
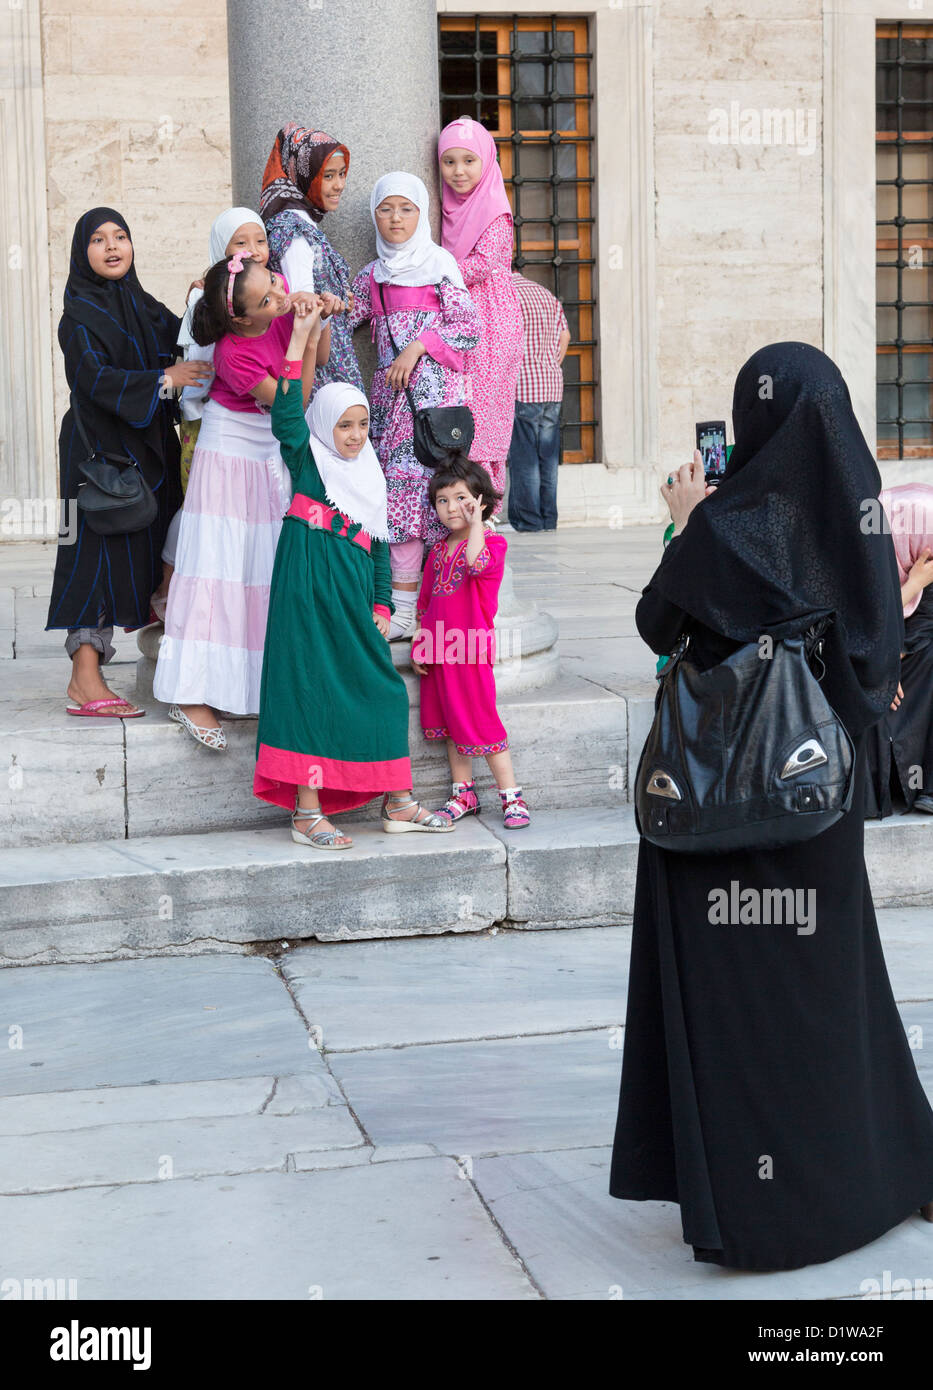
{"points": [[424, 1118]]}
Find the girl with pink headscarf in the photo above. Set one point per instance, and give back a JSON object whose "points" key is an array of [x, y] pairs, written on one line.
{"points": [[477, 231], [900, 748]]}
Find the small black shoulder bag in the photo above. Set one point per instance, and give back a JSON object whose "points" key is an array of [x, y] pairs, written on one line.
{"points": [[746, 755], [115, 497], [438, 430]]}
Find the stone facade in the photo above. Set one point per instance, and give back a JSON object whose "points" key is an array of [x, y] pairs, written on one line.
{"points": [[136, 118], [712, 237]]}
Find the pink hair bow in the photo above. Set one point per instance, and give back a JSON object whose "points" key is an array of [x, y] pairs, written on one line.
{"points": [[234, 266]]}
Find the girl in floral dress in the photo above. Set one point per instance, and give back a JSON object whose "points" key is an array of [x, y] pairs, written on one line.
{"points": [[435, 324], [478, 234]]}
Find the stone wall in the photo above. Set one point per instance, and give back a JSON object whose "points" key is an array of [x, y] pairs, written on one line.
{"points": [[739, 225], [137, 118]]}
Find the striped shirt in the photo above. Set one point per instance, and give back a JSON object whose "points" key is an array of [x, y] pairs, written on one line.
{"points": [[541, 378]]}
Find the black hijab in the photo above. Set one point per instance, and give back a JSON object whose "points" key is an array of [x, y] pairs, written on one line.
{"points": [[131, 326], [783, 537]]}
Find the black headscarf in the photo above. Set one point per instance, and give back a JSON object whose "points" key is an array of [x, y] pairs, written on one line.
{"points": [[784, 536], [130, 325]]}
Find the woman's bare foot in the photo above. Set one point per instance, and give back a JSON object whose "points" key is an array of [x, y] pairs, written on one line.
{"points": [[86, 682]]}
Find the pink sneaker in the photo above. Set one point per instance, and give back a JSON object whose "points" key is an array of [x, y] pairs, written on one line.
{"points": [[462, 801], [514, 811]]}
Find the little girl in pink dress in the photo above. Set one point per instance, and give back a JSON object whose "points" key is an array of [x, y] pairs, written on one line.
{"points": [[454, 648]]}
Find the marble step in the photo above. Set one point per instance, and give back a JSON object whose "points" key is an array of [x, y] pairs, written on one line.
{"points": [[70, 780], [219, 891]]}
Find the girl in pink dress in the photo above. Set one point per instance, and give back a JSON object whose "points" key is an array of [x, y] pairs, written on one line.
{"points": [[477, 232], [412, 293], [454, 648]]}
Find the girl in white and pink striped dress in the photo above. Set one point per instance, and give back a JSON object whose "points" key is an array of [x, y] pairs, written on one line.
{"points": [[210, 659]]}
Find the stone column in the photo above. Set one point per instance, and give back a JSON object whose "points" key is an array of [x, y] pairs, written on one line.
{"points": [[365, 72]]}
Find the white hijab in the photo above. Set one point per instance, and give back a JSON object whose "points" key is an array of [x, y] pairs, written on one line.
{"points": [[221, 231], [356, 487], [419, 260]]}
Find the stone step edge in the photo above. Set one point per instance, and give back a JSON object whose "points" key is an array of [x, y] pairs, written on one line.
{"points": [[562, 871]]}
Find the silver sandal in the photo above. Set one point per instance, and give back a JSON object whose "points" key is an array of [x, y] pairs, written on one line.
{"points": [[322, 839], [433, 823], [211, 738]]}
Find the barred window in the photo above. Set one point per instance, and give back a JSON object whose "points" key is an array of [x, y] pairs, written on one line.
{"points": [[528, 82]]}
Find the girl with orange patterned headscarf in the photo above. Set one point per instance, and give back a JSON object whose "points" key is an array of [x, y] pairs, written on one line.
{"points": [[304, 178]]}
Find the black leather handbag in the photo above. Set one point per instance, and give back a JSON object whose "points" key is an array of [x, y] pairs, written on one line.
{"points": [[746, 755], [114, 497], [437, 430]]}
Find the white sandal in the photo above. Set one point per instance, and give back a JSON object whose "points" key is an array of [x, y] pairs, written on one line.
{"points": [[321, 839], [423, 819], [211, 738]]}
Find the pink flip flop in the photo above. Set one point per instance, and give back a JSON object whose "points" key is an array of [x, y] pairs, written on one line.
{"points": [[105, 709]]}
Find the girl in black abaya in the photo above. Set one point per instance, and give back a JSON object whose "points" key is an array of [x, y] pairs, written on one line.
{"points": [[767, 1083], [119, 343]]}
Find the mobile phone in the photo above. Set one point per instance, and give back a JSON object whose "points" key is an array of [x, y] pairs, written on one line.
{"points": [[711, 442]]}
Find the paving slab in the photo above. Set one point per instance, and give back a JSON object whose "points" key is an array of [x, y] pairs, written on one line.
{"points": [[513, 1095], [577, 1242], [128, 897], [405, 1230], [160, 1149], [184, 1100], [148, 1021], [442, 989], [571, 869]]}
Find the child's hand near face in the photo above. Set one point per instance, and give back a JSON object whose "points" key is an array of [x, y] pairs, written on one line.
{"points": [[472, 511], [302, 302]]}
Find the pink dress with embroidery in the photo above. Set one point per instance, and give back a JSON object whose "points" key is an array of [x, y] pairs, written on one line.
{"points": [[494, 364], [456, 610]]}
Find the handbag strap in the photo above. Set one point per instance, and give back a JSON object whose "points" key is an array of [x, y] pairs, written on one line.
{"points": [[395, 348], [91, 451]]}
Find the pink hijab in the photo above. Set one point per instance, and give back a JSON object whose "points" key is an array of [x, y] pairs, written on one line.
{"points": [[467, 215], [909, 509]]}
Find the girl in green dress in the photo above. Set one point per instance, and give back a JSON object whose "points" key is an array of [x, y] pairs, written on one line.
{"points": [[333, 712]]}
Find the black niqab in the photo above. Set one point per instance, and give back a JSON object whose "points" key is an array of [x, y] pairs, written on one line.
{"points": [[785, 537]]}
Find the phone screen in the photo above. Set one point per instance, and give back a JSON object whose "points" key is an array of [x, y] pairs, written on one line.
{"points": [[711, 442]]}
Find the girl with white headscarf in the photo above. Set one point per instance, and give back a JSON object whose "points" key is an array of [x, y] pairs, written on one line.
{"points": [[333, 710], [413, 293]]}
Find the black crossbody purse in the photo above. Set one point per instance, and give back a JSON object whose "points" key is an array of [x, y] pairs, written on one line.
{"points": [[114, 497], [746, 755], [438, 430]]}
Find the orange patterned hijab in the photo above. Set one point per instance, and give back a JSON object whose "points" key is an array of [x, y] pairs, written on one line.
{"points": [[292, 177]]}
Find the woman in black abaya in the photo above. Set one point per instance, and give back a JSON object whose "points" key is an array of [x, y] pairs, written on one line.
{"points": [[767, 1083], [119, 345]]}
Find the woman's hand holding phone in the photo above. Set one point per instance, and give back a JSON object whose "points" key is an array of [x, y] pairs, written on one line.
{"points": [[687, 487]]}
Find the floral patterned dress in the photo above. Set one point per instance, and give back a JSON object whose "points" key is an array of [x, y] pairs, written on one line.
{"points": [[445, 319], [331, 273], [494, 365]]}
